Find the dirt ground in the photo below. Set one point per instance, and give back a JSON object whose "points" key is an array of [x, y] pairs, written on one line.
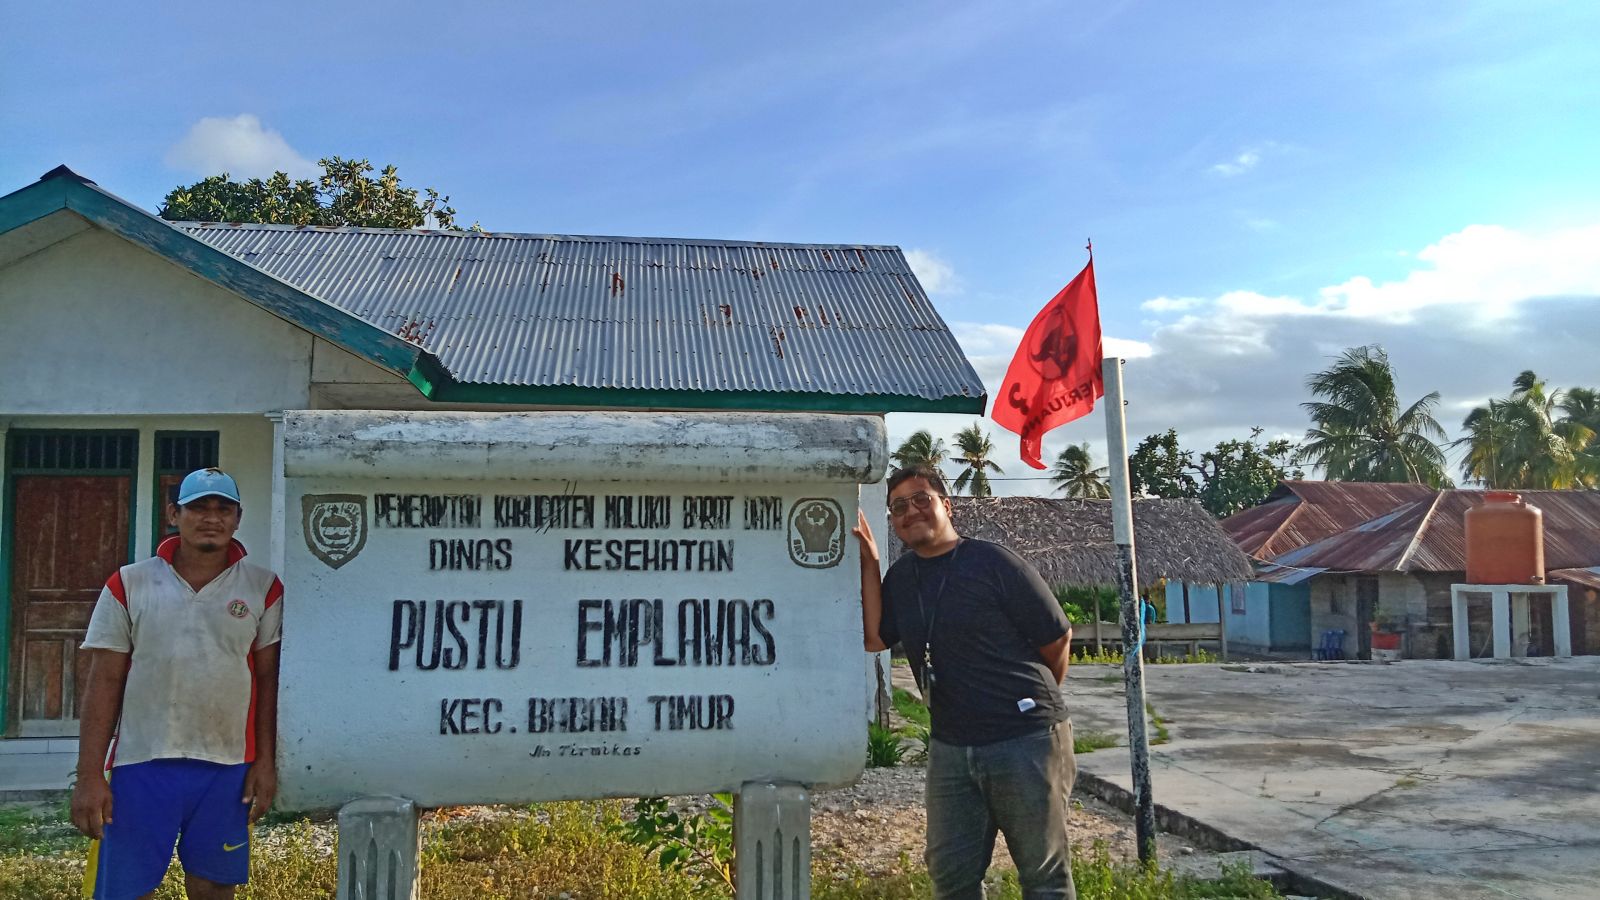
{"points": [[880, 819]]}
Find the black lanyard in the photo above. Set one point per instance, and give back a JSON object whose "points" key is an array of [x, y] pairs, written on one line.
{"points": [[938, 600]]}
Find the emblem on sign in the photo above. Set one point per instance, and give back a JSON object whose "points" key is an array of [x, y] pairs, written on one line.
{"points": [[335, 526], [816, 533]]}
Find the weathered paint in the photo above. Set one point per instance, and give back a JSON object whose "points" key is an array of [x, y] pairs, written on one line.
{"points": [[369, 708], [618, 446]]}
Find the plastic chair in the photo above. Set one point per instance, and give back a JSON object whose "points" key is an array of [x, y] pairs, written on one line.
{"points": [[1332, 646]]}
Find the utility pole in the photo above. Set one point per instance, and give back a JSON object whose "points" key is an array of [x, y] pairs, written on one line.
{"points": [[1132, 614]]}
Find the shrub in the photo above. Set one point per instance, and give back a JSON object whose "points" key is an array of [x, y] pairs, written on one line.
{"points": [[884, 749]]}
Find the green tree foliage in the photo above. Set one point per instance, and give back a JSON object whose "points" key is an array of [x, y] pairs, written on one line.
{"points": [[1231, 476], [1160, 468], [1240, 474], [1359, 430], [1075, 475], [1535, 438], [921, 448], [973, 449], [345, 194]]}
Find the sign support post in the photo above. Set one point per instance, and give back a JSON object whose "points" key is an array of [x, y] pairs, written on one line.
{"points": [[379, 849], [772, 841]]}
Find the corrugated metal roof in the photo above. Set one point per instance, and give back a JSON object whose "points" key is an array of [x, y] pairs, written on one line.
{"points": [[1286, 574], [1304, 512], [1429, 534], [629, 313], [1589, 577], [1571, 530]]}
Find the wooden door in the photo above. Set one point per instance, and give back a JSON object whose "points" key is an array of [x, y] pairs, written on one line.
{"points": [[1366, 611], [69, 533]]}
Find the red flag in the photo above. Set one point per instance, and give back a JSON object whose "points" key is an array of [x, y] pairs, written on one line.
{"points": [[1055, 376]]}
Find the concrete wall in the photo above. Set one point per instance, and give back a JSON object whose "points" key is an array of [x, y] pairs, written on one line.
{"points": [[1333, 606], [396, 546], [97, 326], [101, 334]]}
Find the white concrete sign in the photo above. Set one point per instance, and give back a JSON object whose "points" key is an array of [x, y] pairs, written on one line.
{"points": [[475, 613]]}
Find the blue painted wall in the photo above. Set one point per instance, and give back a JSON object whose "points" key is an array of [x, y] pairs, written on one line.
{"points": [[1202, 602], [1275, 617]]}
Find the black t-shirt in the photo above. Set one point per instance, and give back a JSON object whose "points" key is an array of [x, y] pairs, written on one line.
{"points": [[990, 613]]}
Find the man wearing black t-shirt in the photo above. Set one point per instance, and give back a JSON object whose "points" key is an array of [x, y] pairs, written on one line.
{"points": [[988, 644]]}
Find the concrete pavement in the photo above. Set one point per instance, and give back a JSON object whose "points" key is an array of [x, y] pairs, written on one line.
{"points": [[1411, 780]]}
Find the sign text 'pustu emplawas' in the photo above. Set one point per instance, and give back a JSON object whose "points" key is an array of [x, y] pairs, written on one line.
{"points": [[511, 608]]}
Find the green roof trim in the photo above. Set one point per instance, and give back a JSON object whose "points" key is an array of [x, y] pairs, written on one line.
{"points": [[640, 398], [63, 189]]}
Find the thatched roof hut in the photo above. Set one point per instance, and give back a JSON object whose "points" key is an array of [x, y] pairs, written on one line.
{"points": [[1069, 541]]}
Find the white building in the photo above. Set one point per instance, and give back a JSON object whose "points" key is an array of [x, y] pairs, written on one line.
{"points": [[134, 350]]}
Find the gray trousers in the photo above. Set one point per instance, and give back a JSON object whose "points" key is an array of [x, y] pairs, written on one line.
{"points": [[1019, 788]]}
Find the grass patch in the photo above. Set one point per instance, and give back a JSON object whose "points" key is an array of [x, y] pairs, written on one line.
{"points": [[1090, 741], [1096, 876], [910, 707], [884, 749], [1159, 724], [36, 831], [574, 849], [1106, 657]]}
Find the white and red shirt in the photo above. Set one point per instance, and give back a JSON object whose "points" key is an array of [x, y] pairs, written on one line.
{"points": [[191, 691]]}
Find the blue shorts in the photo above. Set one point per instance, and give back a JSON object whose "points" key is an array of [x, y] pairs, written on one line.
{"points": [[154, 804]]}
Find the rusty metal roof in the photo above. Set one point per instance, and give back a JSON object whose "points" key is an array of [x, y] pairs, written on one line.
{"points": [[669, 316], [1589, 577], [1428, 534], [1304, 512]]}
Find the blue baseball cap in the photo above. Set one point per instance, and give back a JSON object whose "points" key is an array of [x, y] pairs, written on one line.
{"points": [[208, 483]]}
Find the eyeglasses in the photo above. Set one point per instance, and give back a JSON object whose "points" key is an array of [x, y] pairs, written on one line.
{"points": [[922, 500]]}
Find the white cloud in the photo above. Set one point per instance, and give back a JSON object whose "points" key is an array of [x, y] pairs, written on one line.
{"points": [[1127, 349], [1240, 164], [240, 146], [936, 275], [1246, 159], [1171, 304], [1477, 307]]}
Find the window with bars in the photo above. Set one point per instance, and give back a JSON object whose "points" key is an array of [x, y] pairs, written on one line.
{"points": [[177, 454], [74, 451]]}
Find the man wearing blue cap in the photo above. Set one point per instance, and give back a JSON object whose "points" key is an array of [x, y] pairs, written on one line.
{"points": [[184, 670]]}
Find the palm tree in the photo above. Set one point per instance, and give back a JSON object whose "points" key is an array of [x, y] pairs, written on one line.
{"points": [[1074, 473], [1359, 431], [1582, 415], [921, 448], [974, 448], [1519, 442]]}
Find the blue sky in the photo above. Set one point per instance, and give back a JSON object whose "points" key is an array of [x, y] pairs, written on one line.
{"points": [[1265, 183]]}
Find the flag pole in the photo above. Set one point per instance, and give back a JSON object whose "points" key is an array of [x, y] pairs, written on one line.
{"points": [[1132, 614]]}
